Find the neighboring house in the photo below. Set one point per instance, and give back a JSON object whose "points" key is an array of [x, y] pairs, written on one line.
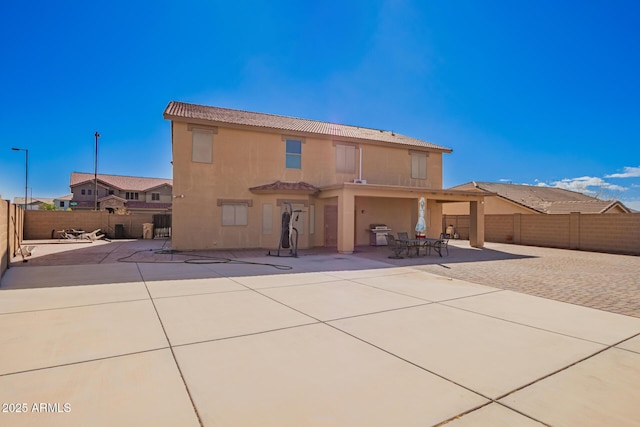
{"points": [[63, 203], [33, 203], [235, 171], [117, 192], [528, 199]]}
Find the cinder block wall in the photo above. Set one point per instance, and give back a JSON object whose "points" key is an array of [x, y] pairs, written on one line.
{"points": [[612, 233], [498, 228], [4, 236], [10, 237], [44, 224], [545, 230]]}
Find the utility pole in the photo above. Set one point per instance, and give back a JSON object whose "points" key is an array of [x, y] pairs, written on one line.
{"points": [[95, 176], [26, 173]]}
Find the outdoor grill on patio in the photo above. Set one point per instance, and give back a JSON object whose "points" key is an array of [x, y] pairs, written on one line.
{"points": [[378, 234]]}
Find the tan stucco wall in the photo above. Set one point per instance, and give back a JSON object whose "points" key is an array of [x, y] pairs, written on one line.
{"points": [[246, 158]]}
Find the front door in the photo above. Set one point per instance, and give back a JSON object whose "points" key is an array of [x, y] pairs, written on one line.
{"points": [[331, 226]]}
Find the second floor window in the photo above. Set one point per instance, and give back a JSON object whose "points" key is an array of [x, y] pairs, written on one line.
{"points": [[155, 196], [419, 165], [345, 158], [130, 195], [293, 159], [201, 146]]}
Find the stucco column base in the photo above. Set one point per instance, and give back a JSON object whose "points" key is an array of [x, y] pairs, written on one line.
{"points": [[346, 222]]}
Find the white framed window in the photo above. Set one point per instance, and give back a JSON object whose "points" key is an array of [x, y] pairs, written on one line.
{"points": [[201, 146], [131, 195], [235, 214], [293, 154], [345, 158], [418, 165]]}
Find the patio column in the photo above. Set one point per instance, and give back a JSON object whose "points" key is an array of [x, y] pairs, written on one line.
{"points": [[476, 224], [346, 221]]}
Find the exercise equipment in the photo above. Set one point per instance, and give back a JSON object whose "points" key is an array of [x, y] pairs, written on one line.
{"points": [[288, 233]]}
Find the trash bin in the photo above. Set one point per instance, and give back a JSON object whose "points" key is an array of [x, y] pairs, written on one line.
{"points": [[147, 230], [119, 231]]}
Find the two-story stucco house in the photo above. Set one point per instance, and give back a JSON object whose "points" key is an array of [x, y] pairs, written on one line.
{"points": [[133, 193], [233, 172]]}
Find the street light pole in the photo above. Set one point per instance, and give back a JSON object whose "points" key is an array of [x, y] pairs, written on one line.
{"points": [[26, 173], [95, 175]]}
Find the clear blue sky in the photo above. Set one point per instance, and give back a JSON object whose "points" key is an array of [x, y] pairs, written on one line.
{"points": [[540, 93]]}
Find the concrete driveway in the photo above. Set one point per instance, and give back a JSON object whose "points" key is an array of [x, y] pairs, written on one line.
{"points": [[319, 340]]}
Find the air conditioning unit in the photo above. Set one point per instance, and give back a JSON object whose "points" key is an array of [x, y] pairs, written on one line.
{"points": [[359, 181]]}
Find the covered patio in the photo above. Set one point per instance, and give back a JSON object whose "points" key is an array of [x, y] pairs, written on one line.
{"points": [[359, 203]]}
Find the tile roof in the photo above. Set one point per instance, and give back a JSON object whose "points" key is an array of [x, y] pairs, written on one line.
{"points": [[121, 182], [180, 110], [286, 186], [547, 200], [32, 200]]}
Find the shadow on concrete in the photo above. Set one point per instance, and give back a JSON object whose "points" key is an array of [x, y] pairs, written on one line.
{"points": [[56, 263]]}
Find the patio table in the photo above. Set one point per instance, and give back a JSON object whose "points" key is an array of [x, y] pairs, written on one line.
{"points": [[425, 242]]}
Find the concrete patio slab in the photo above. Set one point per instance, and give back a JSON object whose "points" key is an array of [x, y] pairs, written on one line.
{"points": [[173, 288], [69, 275], [143, 389], [494, 415], [174, 270], [291, 279], [313, 376], [632, 345], [425, 364], [68, 335], [197, 318], [361, 273], [336, 300], [600, 391], [568, 319], [17, 300], [426, 286], [488, 355]]}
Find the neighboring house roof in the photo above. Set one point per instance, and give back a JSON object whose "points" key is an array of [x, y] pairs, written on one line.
{"points": [[181, 111], [33, 200], [67, 197], [279, 186], [547, 200], [121, 182]]}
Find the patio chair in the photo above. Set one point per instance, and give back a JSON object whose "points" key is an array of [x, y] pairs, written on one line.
{"points": [[92, 236], [403, 235], [396, 246]]}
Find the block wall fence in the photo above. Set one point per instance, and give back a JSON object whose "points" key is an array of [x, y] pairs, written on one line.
{"points": [[44, 224], [11, 228], [611, 233]]}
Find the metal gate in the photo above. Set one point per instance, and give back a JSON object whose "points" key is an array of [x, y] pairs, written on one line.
{"points": [[161, 225]]}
